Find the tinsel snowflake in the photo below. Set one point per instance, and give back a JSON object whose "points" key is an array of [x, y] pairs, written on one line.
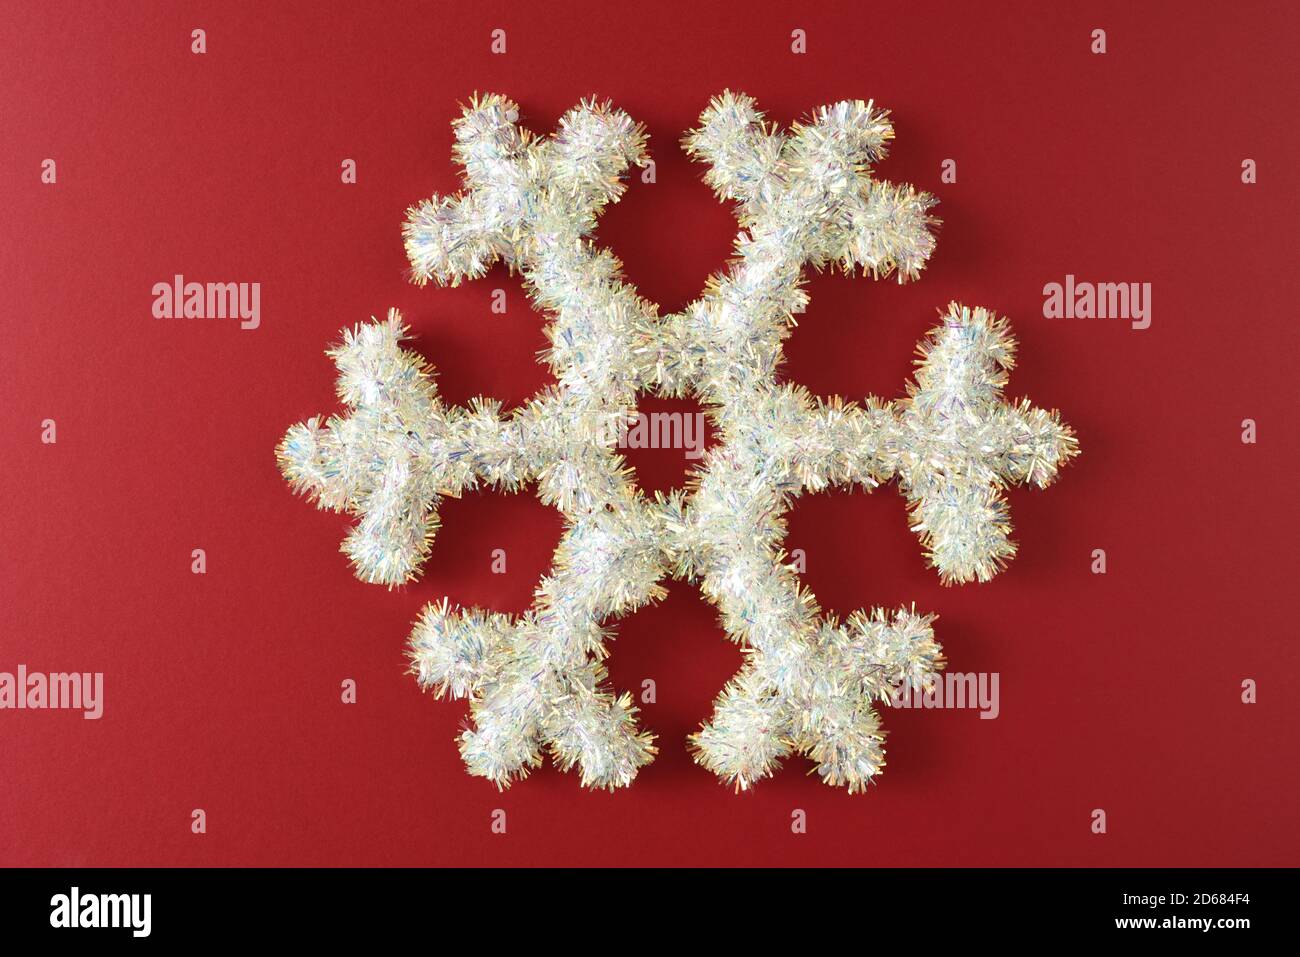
{"points": [[536, 682]]}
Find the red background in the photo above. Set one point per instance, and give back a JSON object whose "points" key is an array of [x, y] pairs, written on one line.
{"points": [[222, 691]]}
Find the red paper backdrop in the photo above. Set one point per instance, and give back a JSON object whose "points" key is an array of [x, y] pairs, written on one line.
{"points": [[1119, 692]]}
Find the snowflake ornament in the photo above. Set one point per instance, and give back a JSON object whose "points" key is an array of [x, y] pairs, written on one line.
{"points": [[536, 682]]}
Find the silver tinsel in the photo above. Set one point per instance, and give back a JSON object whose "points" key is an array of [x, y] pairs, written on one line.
{"points": [[536, 682]]}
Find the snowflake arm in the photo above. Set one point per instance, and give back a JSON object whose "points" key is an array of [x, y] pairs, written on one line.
{"points": [[956, 444], [537, 680], [397, 454], [533, 204], [803, 198], [953, 443], [759, 719]]}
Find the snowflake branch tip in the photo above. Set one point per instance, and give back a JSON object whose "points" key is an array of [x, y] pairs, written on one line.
{"points": [[452, 652], [959, 443]]}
